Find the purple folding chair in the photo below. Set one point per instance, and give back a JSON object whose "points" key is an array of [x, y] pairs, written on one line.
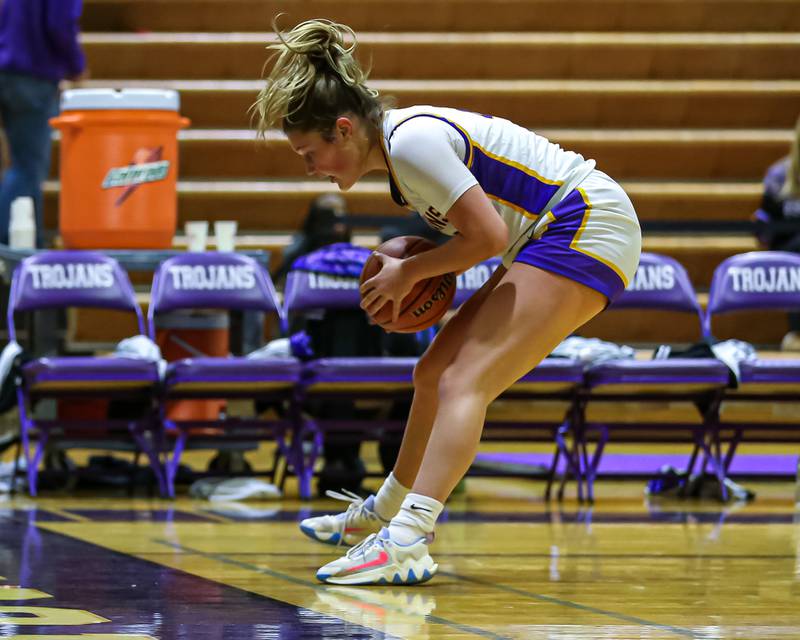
{"points": [[758, 280], [62, 279], [341, 378], [660, 283], [225, 281]]}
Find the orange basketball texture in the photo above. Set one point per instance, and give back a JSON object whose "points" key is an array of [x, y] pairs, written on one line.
{"points": [[428, 300]]}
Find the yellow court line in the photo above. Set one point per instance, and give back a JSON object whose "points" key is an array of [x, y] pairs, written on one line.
{"points": [[65, 514], [207, 514]]}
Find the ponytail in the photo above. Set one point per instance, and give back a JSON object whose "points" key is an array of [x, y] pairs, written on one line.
{"points": [[314, 79]]}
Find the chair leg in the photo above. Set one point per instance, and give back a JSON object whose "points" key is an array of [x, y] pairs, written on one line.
{"points": [[594, 463], [296, 458], [17, 453], [717, 464], [304, 464], [551, 474], [573, 467], [174, 461], [33, 462], [277, 463], [714, 451], [732, 446], [151, 450], [692, 461], [587, 472]]}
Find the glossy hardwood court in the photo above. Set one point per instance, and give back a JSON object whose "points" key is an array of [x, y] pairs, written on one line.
{"points": [[510, 567]]}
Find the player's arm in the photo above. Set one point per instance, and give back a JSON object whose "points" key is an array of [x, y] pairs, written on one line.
{"points": [[428, 161], [481, 234], [428, 155]]}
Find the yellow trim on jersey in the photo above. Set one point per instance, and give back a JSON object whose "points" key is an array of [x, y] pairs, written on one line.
{"points": [[579, 233], [511, 163], [511, 205]]}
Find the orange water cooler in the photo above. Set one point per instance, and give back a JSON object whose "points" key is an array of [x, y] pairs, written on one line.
{"points": [[189, 334], [118, 168]]}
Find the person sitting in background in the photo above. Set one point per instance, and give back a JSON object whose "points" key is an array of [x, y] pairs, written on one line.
{"points": [[39, 48], [333, 333], [780, 206], [324, 224]]}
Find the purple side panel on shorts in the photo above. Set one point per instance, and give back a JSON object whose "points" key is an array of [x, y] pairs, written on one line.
{"points": [[552, 251]]}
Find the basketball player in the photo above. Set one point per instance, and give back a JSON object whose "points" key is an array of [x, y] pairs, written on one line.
{"points": [[569, 239]]}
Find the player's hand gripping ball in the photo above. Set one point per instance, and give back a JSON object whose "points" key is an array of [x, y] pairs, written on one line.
{"points": [[427, 301]]}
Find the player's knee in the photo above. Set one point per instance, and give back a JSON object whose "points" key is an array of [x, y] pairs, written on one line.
{"points": [[459, 383], [427, 372]]}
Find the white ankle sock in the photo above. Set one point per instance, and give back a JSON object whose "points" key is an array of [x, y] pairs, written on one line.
{"points": [[416, 518], [389, 497]]}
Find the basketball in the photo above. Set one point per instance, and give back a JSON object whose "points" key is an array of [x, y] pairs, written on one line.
{"points": [[427, 302]]}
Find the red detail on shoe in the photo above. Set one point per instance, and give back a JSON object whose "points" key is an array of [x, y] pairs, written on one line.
{"points": [[352, 529], [382, 558]]}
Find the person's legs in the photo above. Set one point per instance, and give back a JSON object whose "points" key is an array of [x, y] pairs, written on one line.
{"points": [[26, 105], [427, 374], [527, 315], [364, 517], [518, 324], [580, 256]]}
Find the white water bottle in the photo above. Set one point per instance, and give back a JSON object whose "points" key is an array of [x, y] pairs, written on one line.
{"points": [[22, 226]]}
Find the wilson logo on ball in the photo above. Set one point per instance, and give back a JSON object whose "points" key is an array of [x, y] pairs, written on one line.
{"points": [[440, 293]]}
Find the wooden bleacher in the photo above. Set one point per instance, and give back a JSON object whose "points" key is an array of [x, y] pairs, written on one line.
{"points": [[685, 102]]}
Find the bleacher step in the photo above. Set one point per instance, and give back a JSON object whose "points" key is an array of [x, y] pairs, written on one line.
{"points": [[516, 55], [274, 205], [735, 104], [447, 15], [661, 154]]}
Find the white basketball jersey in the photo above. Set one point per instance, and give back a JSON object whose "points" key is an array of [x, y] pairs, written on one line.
{"points": [[435, 154]]}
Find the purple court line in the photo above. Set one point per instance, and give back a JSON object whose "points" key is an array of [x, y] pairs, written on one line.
{"points": [[137, 593], [676, 516], [648, 464], [661, 516], [139, 515], [35, 514], [593, 556]]}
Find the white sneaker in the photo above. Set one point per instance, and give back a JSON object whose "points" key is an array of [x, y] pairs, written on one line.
{"points": [[381, 560], [347, 528]]}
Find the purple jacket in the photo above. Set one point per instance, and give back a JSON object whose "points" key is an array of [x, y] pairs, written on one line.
{"points": [[40, 38]]}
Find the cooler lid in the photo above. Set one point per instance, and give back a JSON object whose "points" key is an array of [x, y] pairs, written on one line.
{"points": [[94, 99]]}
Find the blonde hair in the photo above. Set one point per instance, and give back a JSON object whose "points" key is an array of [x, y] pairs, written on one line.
{"points": [[791, 186], [315, 78]]}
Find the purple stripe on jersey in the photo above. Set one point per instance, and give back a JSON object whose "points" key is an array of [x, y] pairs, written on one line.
{"points": [[508, 183], [552, 251]]}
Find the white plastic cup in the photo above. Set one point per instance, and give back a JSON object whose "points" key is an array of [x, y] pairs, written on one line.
{"points": [[196, 235], [225, 234], [22, 224]]}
